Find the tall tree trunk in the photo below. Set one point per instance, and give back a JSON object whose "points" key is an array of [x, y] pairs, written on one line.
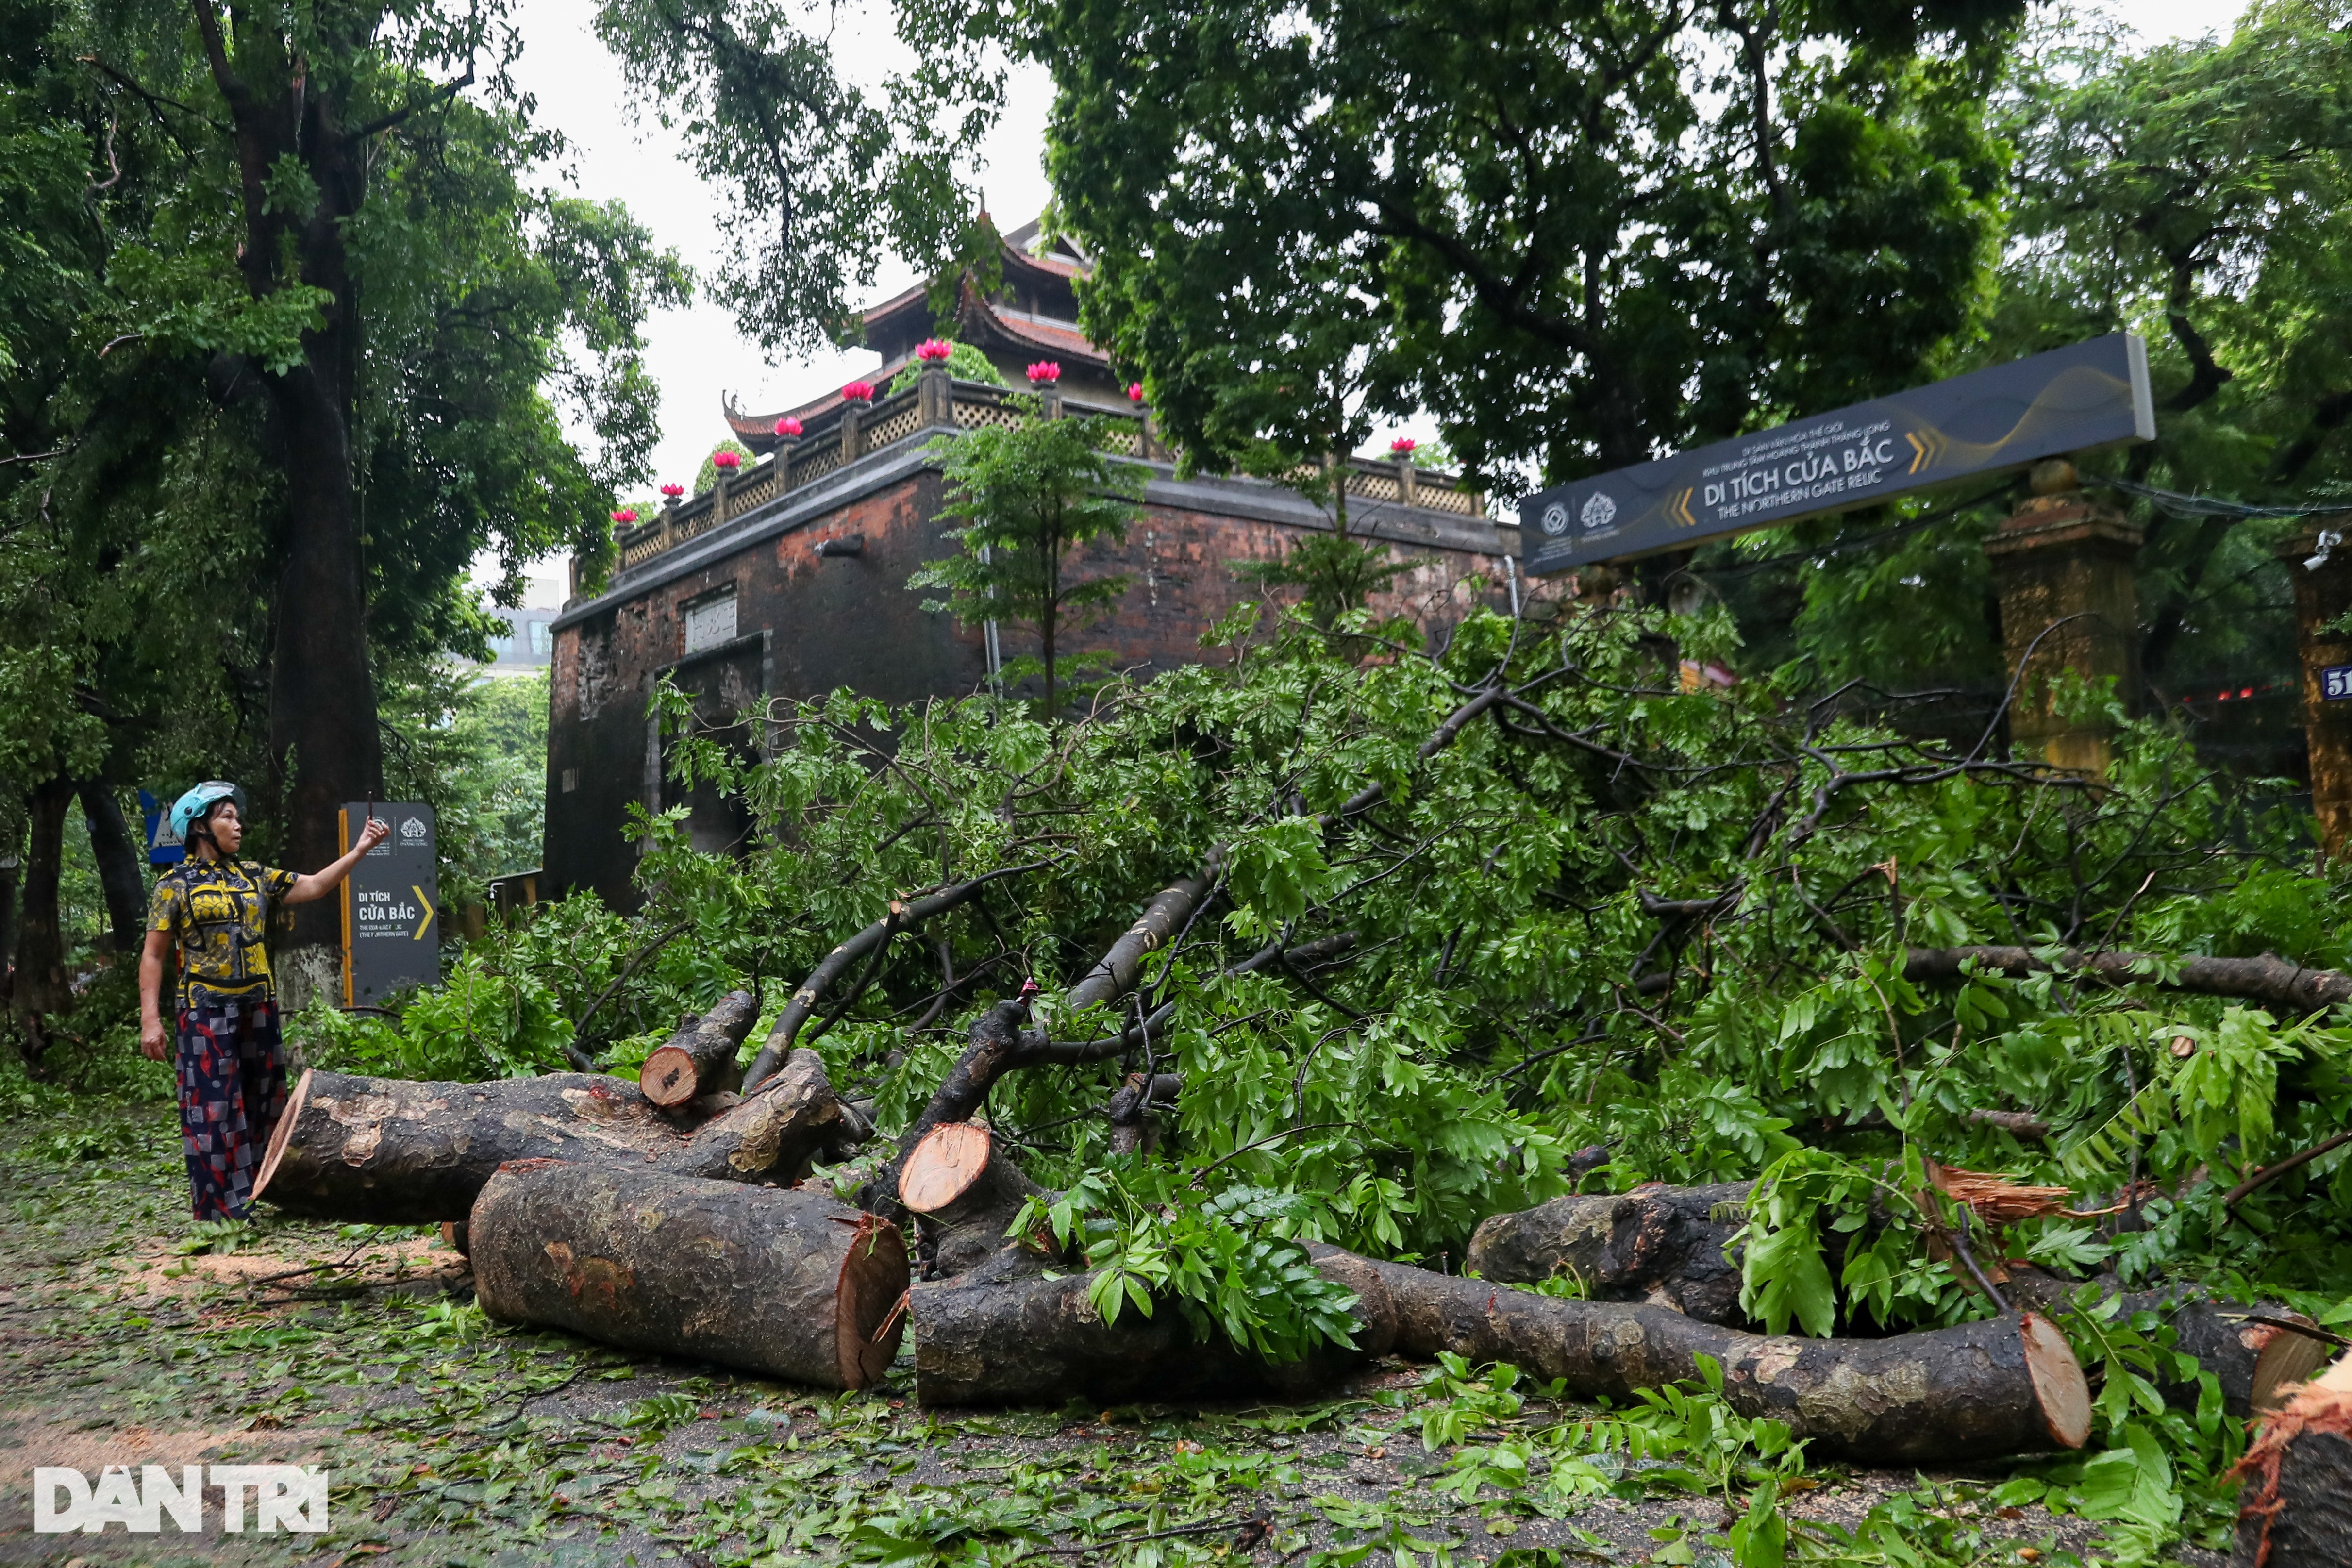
{"points": [[1046, 619], [117, 854], [41, 987], [324, 745], [12, 879], [322, 715]]}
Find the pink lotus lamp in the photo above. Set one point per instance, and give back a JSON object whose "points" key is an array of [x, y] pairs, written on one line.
{"points": [[859, 391], [673, 491], [1044, 373], [1403, 446], [727, 462], [934, 351], [789, 428]]}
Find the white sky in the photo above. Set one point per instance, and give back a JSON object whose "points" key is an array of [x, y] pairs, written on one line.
{"points": [[696, 354]]}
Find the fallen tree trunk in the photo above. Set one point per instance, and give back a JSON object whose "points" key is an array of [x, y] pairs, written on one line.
{"points": [[370, 1151], [1679, 1247], [2257, 1364], [2295, 1510], [1982, 1389], [963, 1194], [699, 1058], [1671, 1247], [980, 1341], [2273, 981], [779, 1281]]}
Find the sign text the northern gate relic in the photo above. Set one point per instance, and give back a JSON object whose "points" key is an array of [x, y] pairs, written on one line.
{"points": [[1996, 420]]}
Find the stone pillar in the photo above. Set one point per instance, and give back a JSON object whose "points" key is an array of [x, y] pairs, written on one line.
{"points": [[1405, 487], [934, 397], [718, 504], [2068, 601], [2318, 559], [853, 442], [784, 444]]}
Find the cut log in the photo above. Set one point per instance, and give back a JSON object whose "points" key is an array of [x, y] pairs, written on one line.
{"points": [[780, 1281], [963, 1194], [1982, 1389], [1678, 1247], [981, 1340], [2295, 1510], [2257, 1364], [370, 1151], [1671, 1247], [699, 1058]]}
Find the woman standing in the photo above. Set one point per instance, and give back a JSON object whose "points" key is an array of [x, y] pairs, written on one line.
{"points": [[232, 1066]]}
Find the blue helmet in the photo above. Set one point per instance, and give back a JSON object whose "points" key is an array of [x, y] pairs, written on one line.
{"points": [[200, 799]]}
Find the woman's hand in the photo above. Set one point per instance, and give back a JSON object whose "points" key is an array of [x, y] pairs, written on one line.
{"points": [[153, 1041]]}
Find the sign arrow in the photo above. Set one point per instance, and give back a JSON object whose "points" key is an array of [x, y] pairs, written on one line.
{"points": [[425, 923]]}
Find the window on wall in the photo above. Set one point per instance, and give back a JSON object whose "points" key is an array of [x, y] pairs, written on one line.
{"points": [[710, 620]]}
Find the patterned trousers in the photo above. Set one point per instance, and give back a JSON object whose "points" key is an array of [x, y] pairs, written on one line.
{"points": [[232, 1092]]}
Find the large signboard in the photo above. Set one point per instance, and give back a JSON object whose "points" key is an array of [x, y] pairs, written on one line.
{"points": [[392, 937], [1991, 421]]}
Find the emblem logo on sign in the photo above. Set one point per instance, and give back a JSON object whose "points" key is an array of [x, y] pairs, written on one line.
{"points": [[411, 828], [1599, 511], [1555, 520]]}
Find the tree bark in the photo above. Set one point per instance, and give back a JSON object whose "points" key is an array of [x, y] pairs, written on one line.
{"points": [[2295, 1510], [41, 987], [2273, 981], [323, 745], [981, 1340], [803, 1006], [2256, 1365], [963, 1194], [1678, 1247], [384, 1152], [783, 1282], [1133, 1127], [12, 879], [699, 1058], [1671, 1247], [1983, 1390], [117, 854]]}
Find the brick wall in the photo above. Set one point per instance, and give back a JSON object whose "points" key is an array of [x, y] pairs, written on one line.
{"points": [[850, 621]]}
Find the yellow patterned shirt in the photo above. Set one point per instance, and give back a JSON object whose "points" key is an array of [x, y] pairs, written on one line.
{"points": [[217, 912]]}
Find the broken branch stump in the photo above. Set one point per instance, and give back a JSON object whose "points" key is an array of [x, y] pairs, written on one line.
{"points": [[780, 1281], [963, 1194], [699, 1058]]}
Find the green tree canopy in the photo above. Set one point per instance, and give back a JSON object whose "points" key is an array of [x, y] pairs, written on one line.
{"points": [[302, 350], [1579, 236]]}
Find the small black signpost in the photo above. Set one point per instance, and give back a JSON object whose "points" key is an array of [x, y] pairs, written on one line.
{"points": [[392, 935], [1989, 421]]}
